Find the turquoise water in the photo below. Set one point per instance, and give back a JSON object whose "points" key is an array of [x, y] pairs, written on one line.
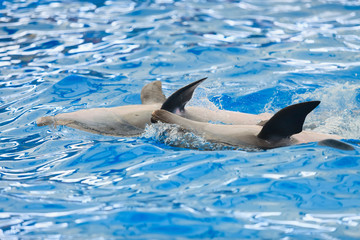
{"points": [[63, 56]]}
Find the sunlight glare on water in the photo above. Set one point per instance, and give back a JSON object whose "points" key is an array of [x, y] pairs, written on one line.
{"points": [[259, 56]]}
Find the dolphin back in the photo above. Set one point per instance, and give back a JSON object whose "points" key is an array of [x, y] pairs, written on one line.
{"points": [[288, 121], [152, 93], [177, 101], [333, 143]]}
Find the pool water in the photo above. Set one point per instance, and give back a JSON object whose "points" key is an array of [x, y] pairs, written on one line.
{"points": [[66, 55]]}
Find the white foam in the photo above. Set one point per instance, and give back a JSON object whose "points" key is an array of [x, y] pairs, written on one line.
{"points": [[338, 112], [174, 135]]}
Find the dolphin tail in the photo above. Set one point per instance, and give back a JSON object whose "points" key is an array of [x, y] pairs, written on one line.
{"points": [[177, 101], [287, 121], [152, 93]]}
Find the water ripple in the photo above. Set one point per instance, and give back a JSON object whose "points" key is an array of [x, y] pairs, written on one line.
{"points": [[62, 56]]}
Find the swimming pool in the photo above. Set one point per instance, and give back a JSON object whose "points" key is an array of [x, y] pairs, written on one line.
{"points": [[63, 56]]}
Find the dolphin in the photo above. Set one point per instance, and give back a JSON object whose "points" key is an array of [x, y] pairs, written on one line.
{"points": [[130, 120], [283, 129]]}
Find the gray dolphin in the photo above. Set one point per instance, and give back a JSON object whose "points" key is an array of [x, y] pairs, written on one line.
{"points": [[130, 120], [283, 129]]}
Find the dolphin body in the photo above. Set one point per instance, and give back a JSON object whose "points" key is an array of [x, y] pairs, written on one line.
{"points": [[127, 120], [130, 120], [283, 129]]}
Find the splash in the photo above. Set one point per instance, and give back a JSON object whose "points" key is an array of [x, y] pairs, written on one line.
{"points": [[174, 135], [201, 99], [338, 112]]}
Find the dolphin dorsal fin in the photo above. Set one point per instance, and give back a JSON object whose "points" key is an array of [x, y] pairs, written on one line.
{"points": [[177, 101], [287, 121], [152, 93]]}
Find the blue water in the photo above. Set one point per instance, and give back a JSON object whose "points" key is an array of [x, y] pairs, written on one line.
{"points": [[259, 56]]}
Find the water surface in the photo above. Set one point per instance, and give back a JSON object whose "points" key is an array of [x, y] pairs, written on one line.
{"points": [[63, 56]]}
